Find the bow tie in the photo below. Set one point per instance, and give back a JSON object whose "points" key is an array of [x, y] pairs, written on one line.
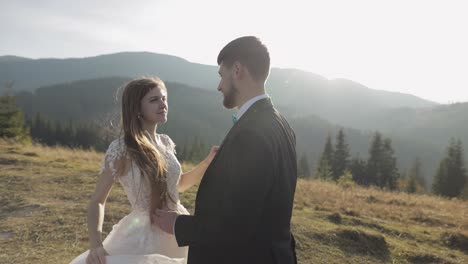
{"points": [[234, 119]]}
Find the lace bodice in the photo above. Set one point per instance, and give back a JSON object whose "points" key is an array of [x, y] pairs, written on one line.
{"points": [[136, 187]]}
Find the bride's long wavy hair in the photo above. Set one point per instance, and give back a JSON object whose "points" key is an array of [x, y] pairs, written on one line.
{"points": [[138, 144]]}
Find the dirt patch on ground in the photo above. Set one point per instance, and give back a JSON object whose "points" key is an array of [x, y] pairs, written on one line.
{"points": [[5, 236], [31, 154], [18, 209], [455, 241], [429, 221], [335, 218], [359, 242], [427, 259], [382, 229], [6, 161]]}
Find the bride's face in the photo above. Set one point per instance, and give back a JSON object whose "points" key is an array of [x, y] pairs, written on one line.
{"points": [[154, 106]]}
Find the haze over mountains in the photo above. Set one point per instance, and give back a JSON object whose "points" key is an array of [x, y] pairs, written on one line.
{"points": [[84, 89]]}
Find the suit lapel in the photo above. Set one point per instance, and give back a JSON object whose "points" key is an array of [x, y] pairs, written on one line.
{"points": [[258, 107], [252, 113]]}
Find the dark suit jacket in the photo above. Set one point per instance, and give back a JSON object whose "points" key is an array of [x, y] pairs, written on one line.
{"points": [[245, 200]]}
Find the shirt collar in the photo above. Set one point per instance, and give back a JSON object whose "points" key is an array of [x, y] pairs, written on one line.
{"points": [[248, 104]]}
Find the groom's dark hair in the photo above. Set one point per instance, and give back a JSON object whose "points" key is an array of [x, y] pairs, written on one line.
{"points": [[251, 53]]}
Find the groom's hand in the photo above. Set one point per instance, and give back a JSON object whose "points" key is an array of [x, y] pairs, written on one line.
{"points": [[165, 220]]}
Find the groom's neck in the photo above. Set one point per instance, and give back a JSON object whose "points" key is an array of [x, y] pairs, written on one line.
{"points": [[249, 94]]}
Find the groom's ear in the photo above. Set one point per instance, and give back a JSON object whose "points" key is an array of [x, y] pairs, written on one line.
{"points": [[238, 70]]}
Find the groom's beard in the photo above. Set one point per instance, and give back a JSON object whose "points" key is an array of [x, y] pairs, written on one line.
{"points": [[230, 97]]}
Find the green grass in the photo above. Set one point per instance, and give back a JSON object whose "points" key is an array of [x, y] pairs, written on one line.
{"points": [[44, 193]]}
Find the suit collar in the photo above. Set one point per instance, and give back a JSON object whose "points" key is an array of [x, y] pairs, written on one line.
{"points": [[248, 104], [259, 105]]}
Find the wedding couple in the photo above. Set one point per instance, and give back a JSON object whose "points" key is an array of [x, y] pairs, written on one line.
{"points": [[245, 197]]}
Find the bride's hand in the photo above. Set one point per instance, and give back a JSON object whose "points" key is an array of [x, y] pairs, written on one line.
{"points": [[97, 256], [212, 154]]}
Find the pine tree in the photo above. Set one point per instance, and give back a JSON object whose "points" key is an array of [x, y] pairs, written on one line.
{"points": [[12, 120], [415, 177], [198, 150], [59, 135], [181, 152], [439, 186], [340, 156], [69, 132], [358, 169], [324, 168], [38, 128], [346, 180], [303, 167], [458, 176], [450, 178], [49, 132], [464, 193], [389, 168], [374, 163], [411, 187], [88, 135], [381, 166]]}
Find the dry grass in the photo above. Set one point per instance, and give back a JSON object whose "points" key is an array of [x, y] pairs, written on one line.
{"points": [[44, 193], [402, 207], [416, 228]]}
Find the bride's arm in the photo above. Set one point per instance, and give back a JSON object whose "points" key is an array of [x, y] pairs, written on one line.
{"points": [[190, 178], [97, 205], [96, 208]]}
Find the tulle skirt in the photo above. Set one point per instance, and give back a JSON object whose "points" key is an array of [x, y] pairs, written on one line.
{"points": [[135, 240]]}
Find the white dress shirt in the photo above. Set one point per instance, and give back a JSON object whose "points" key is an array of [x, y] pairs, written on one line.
{"points": [[248, 104]]}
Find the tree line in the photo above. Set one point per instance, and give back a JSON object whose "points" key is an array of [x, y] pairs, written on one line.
{"points": [[380, 169], [335, 163], [75, 134]]}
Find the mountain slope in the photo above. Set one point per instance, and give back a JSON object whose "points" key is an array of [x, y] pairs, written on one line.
{"points": [[31, 74], [195, 112], [302, 93], [11, 58]]}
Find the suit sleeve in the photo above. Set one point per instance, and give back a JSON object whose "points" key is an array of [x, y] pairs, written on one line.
{"points": [[250, 177]]}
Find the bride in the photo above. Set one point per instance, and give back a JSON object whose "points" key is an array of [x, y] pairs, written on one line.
{"points": [[145, 164]]}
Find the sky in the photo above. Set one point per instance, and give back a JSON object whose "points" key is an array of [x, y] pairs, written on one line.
{"points": [[418, 47]]}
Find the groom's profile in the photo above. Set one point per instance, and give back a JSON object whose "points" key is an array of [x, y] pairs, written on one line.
{"points": [[244, 202]]}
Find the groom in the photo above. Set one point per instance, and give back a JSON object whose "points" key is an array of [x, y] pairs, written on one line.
{"points": [[245, 199]]}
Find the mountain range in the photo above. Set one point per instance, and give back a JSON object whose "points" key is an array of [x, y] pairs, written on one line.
{"points": [[85, 88]]}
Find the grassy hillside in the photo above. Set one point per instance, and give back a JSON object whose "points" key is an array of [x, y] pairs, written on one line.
{"points": [[44, 193]]}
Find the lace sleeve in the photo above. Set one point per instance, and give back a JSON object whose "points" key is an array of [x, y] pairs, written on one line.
{"points": [[167, 141], [114, 155]]}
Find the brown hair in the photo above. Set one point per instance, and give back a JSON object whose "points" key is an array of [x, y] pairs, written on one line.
{"points": [[138, 146], [251, 53]]}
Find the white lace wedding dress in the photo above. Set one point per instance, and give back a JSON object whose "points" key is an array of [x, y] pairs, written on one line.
{"points": [[133, 239]]}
